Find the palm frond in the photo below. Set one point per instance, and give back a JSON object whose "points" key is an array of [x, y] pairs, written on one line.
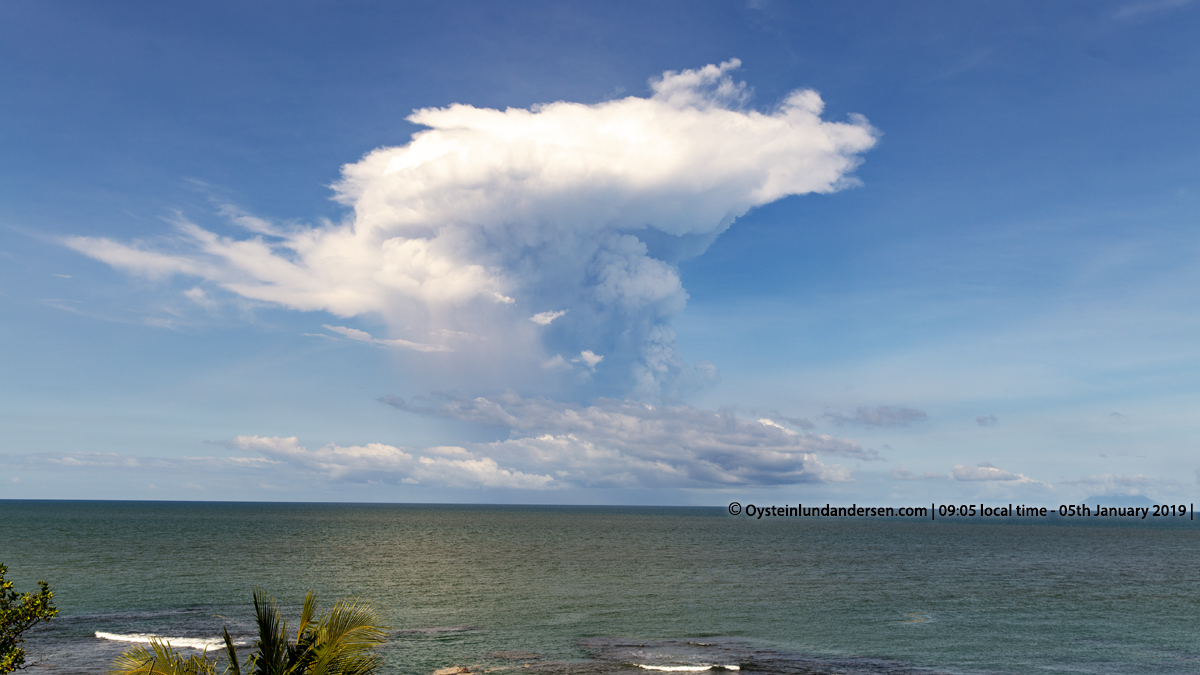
{"points": [[233, 668], [308, 611], [160, 659], [345, 640], [352, 622], [271, 648], [348, 664], [300, 652]]}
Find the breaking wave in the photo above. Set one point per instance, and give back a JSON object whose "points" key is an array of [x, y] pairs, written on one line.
{"points": [[177, 642], [690, 669]]}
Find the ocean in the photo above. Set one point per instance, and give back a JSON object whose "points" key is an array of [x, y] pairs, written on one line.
{"points": [[583, 590]]}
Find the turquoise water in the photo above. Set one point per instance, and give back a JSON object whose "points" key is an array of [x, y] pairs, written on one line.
{"points": [[583, 589]]}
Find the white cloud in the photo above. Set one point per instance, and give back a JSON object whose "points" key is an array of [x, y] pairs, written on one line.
{"points": [[544, 318], [706, 87], [198, 296], [772, 423], [983, 471], [592, 360], [988, 472], [488, 214], [87, 459], [794, 421]]}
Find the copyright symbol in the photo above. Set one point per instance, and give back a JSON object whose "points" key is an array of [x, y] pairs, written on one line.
{"points": [[734, 508]]}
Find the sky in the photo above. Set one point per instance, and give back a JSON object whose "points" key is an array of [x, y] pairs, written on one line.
{"points": [[679, 253]]}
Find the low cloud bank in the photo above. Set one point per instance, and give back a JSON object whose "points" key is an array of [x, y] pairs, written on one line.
{"points": [[629, 423], [448, 466], [608, 444]]}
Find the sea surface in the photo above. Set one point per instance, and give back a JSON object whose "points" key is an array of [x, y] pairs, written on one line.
{"points": [[591, 590]]}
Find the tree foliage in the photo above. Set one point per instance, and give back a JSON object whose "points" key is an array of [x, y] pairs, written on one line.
{"points": [[339, 642], [19, 613]]}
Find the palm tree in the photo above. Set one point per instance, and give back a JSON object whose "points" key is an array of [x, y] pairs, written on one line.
{"points": [[339, 642]]}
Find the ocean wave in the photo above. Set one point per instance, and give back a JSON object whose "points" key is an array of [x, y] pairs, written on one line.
{"points": [[177, 642], [690, 669]]}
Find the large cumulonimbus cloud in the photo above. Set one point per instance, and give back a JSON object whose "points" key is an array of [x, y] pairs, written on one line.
{"points": [[531, 240]]}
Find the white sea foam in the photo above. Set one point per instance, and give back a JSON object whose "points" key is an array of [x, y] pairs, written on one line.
{"points": [[690, 669], [177, 642]]}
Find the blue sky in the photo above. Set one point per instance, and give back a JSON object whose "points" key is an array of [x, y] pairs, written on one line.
{"points": [[638, 268]]}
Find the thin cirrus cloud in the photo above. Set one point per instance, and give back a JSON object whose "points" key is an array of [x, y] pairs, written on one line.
{"points": [[1118, 484], [882, 416], [488, 217], [905, 473], [69, 460], [1136, 10], [88, 461], [363, 336]]}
